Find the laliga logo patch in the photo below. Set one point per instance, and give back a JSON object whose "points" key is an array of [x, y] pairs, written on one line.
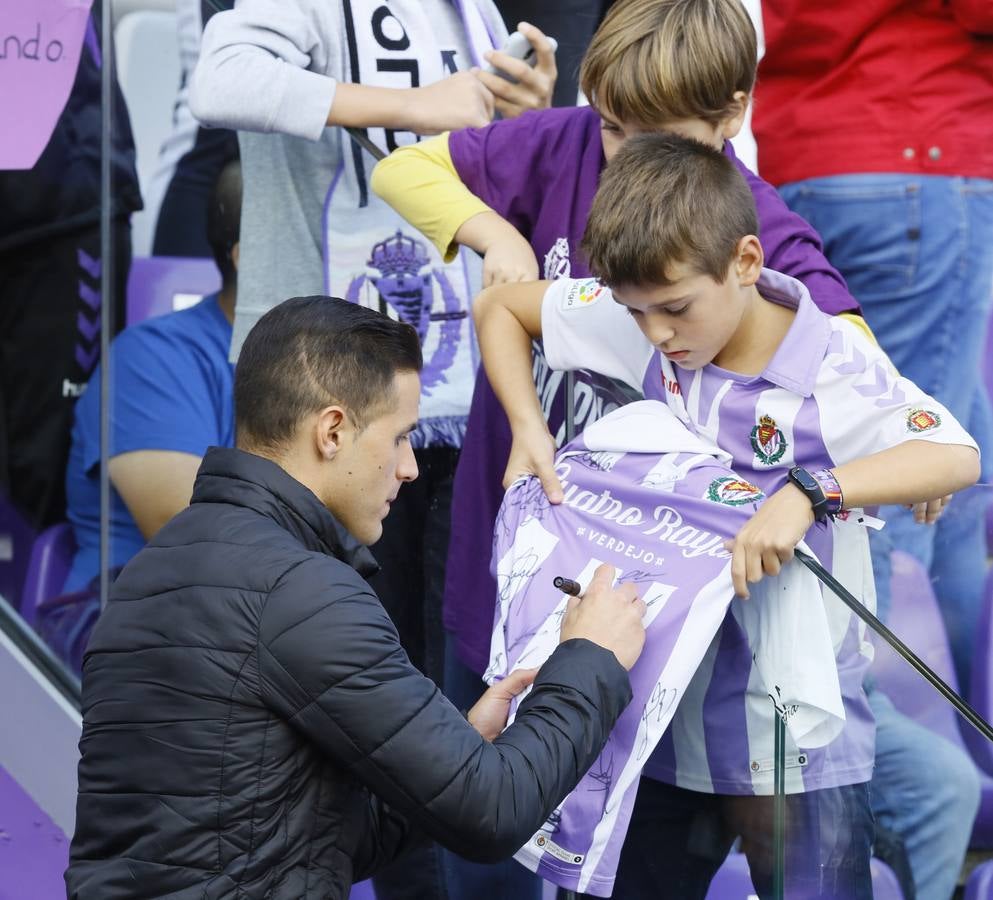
{"points": [[733, 491], [768, 441], [583, 293], [919, 420]]}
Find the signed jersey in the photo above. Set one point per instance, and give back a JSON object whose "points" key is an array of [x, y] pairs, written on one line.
{"points": [[657, 502]]}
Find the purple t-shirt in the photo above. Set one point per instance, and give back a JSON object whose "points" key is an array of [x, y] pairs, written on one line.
{"points": [[540, 172]]}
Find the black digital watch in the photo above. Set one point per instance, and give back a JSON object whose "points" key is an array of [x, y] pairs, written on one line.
{"points": [[812, 490]]}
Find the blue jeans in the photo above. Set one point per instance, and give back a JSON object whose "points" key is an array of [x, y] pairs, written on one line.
{"points": [[507, 880], [917, 252]]}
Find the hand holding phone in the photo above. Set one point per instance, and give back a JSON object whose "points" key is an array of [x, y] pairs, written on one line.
{"points": [[519, 47]]}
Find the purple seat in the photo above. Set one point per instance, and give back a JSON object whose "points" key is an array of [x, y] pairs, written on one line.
{"points": [[362, 891], [16, 539], [981, 689], [162, 284], [980, 883], [916, 620], [48, 566], [733, 882], [987, 376]]}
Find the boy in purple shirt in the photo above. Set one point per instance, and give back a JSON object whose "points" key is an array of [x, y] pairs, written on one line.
{"points": [[810, 411], [520, 190]]}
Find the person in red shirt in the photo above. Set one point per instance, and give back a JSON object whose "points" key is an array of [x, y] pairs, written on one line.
{"points": [[874, 123]]}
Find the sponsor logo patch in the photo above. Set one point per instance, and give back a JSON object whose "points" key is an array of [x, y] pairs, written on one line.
{"points": [[768, 441], [733, 491], [919, 420]]}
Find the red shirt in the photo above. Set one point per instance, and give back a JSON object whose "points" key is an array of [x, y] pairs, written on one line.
{"points": [[875, 86]]}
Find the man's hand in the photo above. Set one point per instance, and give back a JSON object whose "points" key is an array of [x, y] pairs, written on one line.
{"points": [[489, 715], [509, 259], [610, 617], [534, 85], [459, 101], [533, 453], [928, 512], [767, 540]]}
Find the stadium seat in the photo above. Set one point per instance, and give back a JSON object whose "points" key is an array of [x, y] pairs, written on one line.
{"points": [[980, 883], [48, 566], [916, 620], [732, 881], [981, 689], [16, 539], [987, 373], [362, 891], [163, 284]]}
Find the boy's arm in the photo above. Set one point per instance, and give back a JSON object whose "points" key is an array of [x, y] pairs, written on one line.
{"points": [[582, 327], [254, 74], [890, 442], [421, 183], [916, 472], [508, 318]]}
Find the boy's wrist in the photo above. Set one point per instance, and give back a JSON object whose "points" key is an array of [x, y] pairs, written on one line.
{"points": [[821, 489]]}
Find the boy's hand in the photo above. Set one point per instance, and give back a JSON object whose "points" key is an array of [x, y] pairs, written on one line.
{"points": [[608, 616], [509, 259], [928, 512], [459, 101], [533, 453], [534, 85], [767, 539], [489, 715]]}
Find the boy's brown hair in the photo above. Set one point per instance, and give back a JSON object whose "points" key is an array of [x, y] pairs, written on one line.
{"points": [[665, 199], [655, 61]]}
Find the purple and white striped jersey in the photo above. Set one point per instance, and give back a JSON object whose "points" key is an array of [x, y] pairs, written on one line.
{"points": [[655, 501], [828, 396]]}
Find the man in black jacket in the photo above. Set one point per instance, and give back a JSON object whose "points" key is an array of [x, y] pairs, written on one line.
{"points": [[251, 726]]}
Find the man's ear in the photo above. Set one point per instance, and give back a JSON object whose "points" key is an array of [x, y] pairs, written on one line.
{"points": [[332, 429], [731, 124], [748, 261]]}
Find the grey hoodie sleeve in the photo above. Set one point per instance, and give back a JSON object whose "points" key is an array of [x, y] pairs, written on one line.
{"points": [[266, 66]]}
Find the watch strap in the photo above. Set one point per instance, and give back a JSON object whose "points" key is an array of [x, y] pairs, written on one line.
{"points": [[832, 490]]}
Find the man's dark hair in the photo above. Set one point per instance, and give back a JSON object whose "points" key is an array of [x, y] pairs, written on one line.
{"points": [[224, 219], [311, 352], [665, 199]]}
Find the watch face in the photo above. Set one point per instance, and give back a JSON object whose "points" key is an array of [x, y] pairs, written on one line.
{"points": [[804, 479]]}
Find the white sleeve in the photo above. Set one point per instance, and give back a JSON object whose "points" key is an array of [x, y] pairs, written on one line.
{"points": [[263, 67], [865, 406], [583, 328]]}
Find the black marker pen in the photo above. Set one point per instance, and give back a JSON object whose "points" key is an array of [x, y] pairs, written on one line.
{"points": [[567, 586]]}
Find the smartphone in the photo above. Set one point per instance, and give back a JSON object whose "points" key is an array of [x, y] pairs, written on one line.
{"points": [[519, 47]]}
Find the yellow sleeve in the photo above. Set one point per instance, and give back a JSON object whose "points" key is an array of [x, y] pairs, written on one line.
{"points": [[420, 182], [861, 324]]}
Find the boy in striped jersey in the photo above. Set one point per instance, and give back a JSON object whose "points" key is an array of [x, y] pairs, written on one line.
{"points": [[809, 409]]}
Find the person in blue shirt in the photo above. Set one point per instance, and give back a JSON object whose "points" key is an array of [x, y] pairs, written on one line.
{"points": [[172, 398]]}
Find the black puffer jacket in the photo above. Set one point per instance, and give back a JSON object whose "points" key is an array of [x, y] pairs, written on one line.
{"points": [[252, 728]]}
